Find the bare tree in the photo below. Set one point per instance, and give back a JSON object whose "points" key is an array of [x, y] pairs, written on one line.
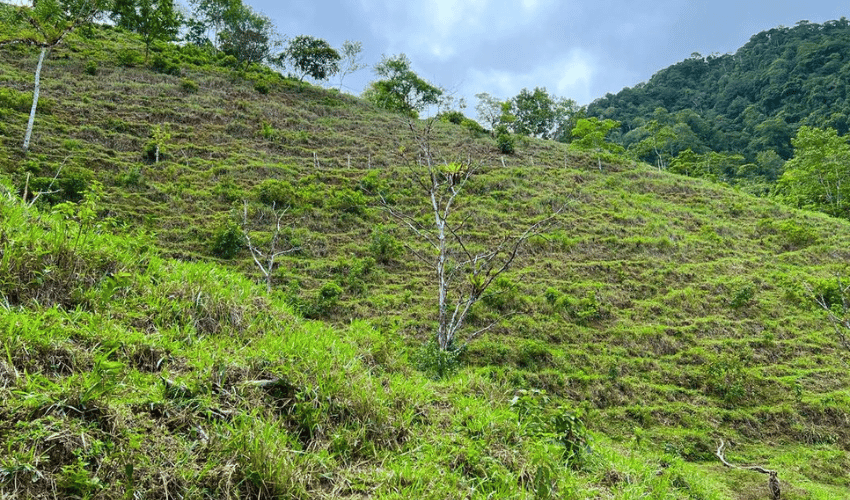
{"points": [[352, 59], [463, 269], [837, 310], [772, 482], [48, 23], [265, 260]]}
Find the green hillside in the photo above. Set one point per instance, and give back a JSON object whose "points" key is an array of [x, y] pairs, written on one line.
{"points": [[142, 356], [750, 103]]}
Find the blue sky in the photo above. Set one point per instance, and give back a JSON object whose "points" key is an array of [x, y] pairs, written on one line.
{"points": [[576, 49]]}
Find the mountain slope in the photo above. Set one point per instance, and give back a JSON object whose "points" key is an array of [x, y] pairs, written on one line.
{"points": [[667, 312], [749, 102]]}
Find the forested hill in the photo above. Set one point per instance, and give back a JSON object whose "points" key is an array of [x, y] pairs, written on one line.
{"points": [[749, 103]]}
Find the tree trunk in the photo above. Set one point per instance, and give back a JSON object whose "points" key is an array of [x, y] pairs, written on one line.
{"points": [[34, 98]]}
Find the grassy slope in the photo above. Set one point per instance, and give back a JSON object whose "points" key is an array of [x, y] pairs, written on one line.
{"points": [[671, 311]]}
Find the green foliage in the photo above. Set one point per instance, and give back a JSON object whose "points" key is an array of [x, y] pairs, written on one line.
{"points": [[401, 89], [326, 300], [227, 241], [559, 424], [747, 103], [541, 115], [91, 68], [15, 100], [188, 85], [313, 57], [504, 140], [273, 192], [817, 176], [153, 20], [383, 245], [437, 363], [128, 57]]}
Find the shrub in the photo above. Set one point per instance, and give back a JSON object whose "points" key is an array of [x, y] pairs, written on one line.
{"points": [[91, 68], [13, 99], [504, 140], [128, 58], [349, 202], [261, 86], [228, 240], [473, 126], [163, 64], [455, 117], [438, 363], [268, 132], [384, 246], [273, 192], [188, 86], [326, 300]]}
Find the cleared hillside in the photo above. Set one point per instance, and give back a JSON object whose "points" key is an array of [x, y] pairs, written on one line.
{"points": [[667, 312]]}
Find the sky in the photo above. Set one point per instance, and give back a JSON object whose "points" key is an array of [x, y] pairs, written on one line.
{"points": [[580, 50]]}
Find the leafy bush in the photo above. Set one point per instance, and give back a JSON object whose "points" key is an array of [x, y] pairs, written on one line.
{"points": [[455, 117], [227, 241], [273, 192], [268, 132], [503, 295], [128, 58], [742, 296], [164, 64], [438, 363], [13, 99], [189, 86], [261, 86], [504, 140], [473, 126], [384, 246], [326, 300], [559, 424], [91, 68], [349, 202], [70, 187]]}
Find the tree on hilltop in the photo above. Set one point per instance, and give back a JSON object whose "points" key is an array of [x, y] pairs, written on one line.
{"points": [[152, 19]]}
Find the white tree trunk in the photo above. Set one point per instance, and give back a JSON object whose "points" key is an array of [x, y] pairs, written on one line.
{"points": [[34, 98]]}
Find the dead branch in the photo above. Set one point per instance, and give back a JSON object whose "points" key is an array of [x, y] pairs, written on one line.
{"points": [[772, 482]]}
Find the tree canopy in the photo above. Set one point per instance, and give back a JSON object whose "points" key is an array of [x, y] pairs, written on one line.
{"points": [[400, 88]]}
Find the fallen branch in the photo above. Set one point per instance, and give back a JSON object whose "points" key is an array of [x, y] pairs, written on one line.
{"points": [[772, 483]]}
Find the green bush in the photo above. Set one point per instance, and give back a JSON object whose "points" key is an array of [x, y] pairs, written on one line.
{"points": [[438, 363], [163, 64], [262, 86], [228, 240], [128, 58], [326, 300], [91, 68], [349, 202], [273, 192], [455, 117], [188, 86], [504, 140], [70, 187], [384, 246], [13, 99], [473, 126]]}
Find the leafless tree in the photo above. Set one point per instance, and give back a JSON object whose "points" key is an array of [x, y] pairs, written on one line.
{"points": [[463, 270], [265, 259], [48, 23], [838, 313]]}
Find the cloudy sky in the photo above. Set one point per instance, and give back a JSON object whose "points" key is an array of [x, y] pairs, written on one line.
{"points": [[579, 49]]}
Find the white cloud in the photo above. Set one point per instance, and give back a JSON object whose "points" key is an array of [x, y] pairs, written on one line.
{"points": [[440, 28], [570, 76]]}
